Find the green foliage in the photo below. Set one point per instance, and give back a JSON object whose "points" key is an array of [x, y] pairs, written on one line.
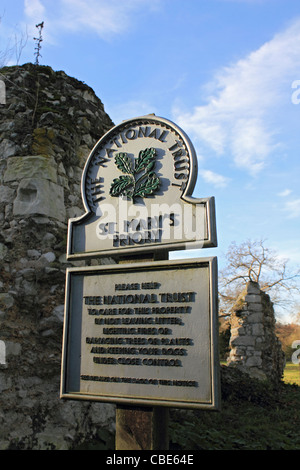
{"points": [[123, 163], [148, 186], [224, 348], [104, 440], [292, 373], [130, 186], [254, 416], [122, 185], [145, 160], [287, 334]]}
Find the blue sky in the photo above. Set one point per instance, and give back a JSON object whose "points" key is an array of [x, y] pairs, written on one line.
{"points": [[226, 71]]}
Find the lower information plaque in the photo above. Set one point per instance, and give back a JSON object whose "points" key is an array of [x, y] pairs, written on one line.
{"points": [[142, 334]]}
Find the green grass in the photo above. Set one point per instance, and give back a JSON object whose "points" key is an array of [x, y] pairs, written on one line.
{"points": [[254, 416], [292, 373]]}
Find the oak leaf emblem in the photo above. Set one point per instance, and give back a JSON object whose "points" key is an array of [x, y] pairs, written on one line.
{"points": [[134, 183]]}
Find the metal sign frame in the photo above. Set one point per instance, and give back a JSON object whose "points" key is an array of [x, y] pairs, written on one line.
{"points": [[175, 176], [76, 362]]}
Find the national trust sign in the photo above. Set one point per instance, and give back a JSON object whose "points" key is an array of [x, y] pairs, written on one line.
{"points": [[143, 333], [136, 187]]}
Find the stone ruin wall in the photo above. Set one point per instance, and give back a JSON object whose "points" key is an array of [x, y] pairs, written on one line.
{"points": [[254, 346], [48, 126]]}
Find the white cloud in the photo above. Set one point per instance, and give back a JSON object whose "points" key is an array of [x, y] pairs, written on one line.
{"points": [[246, 1], [293, 208], [213, 178], [103, 17], [285, 193], [242, 116], [98, 16], [130, 109], [34, 9], [290, 252]]}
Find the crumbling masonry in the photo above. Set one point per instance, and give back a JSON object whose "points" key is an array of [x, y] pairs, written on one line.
{"points": [[48, 126], [254, 346]]}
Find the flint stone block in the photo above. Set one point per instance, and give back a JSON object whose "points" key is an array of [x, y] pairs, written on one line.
{"points": [[6, 300], [6, 194], [255, 317], [243, 341], [33, 254], [59, 312], [48, 239], [38, 166], [5, 383], [257, 329], [3, 251], [48, 257], [7, 148], [13, 349], [256, 307], [40, 197], [253, 288], [254, 361], [253, 298], [238, 331]]}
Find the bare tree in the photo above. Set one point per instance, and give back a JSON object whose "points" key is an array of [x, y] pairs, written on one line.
{"points": [[20, 44], [19, 41], [297, 314], [5, 53], [253, 261]]}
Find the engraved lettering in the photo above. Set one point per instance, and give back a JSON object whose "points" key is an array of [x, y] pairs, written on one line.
{"points": [[130, 361], [162, 136], [177, 144], [101, 161], [109, 152], [139, 335], [130, 134], [143, 132], [177, 297], [162, 362], [134, 286], [145, 381]]}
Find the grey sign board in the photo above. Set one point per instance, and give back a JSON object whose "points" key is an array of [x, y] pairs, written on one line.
{"points": [[143, 334], [137, 188]]}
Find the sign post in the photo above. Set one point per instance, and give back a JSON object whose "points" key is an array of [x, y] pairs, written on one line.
{"points": [[142, 333], [140, 428]]}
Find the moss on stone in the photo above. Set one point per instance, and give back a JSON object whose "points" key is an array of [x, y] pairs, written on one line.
{"points": [[43, 140]]}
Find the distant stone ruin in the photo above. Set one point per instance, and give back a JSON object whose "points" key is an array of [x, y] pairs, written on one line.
{"points": [[254, 346]]}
